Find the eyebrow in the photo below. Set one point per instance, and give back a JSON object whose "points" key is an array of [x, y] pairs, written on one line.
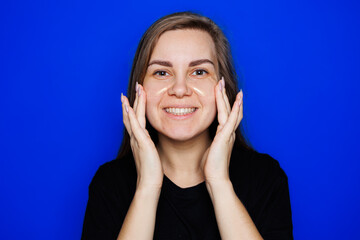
{"points": [[191, 64]]}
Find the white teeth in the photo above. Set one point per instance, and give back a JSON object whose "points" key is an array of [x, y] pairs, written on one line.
{"points": [[180, 111]]}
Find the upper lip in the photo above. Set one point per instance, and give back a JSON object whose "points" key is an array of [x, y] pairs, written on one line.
{"points": [[180, 106]]}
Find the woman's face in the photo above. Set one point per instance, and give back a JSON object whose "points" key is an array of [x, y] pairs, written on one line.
{"points": [[180, 84]]}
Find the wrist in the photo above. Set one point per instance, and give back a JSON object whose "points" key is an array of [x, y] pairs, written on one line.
{"points": [[219, 186], [145, 186], [217, 181], [146, 192], [154, 184]]}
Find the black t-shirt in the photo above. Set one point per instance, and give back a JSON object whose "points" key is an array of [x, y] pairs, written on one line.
{"points": [[188, 213]]}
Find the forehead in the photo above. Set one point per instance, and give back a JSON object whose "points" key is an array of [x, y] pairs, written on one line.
{"points": [[184, 45]]}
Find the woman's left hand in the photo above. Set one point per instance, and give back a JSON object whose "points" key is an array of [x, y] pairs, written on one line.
{"points": [[216, 160]]}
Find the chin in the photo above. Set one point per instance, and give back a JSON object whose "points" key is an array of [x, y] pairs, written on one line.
{"points": [[182, 134]]}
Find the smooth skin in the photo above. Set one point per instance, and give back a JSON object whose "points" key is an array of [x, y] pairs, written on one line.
{"points": [[232, 218]]}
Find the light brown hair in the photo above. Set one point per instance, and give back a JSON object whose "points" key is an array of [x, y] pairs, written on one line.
{"points": [[183, 20]]}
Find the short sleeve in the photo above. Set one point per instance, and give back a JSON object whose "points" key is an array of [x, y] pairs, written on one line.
{"points": [[106, 207], [274, 209]]}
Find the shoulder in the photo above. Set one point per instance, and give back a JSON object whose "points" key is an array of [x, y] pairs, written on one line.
{"points": [[114, 173], [267, 166], [110, 193], [254, 172], [268, 174], [258, 164], [262, 186]]}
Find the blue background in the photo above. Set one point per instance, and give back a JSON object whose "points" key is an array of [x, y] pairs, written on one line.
{"points": [[64, 65]]}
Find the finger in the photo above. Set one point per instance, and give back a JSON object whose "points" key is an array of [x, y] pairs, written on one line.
{"points": [[240, 115], [229, 127], [136, 129], [136, 97], [220, 104], [126, 121], [225, 96], [125, 116], [140, 110]]}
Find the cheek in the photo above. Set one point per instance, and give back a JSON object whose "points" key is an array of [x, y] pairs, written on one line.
{"points": [[204, 87], [154, 89], [212, 105], [206, 91], [209, 102], [155, 92], [152, 103]]}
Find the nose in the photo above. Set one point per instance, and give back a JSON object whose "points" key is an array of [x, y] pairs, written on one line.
{"points": [[180, 88]]}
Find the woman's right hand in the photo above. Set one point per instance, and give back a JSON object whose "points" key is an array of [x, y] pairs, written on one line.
{"points": [[148, 165]]}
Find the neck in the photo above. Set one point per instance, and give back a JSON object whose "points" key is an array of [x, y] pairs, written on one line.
{"points": [[182, 159]]}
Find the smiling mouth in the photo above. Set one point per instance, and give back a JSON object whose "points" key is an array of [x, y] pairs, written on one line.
{"points": [[180, 111]]}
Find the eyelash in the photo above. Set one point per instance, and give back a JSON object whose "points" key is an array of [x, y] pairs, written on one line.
{"points": [[204, 72]]}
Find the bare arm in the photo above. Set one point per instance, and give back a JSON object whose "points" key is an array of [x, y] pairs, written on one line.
{"points": [[139, 222], [233, 220]]}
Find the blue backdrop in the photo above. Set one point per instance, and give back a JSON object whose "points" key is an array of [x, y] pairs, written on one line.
{"points": [[64, 65]]}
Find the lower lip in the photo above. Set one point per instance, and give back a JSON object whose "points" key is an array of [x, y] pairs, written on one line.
{"points": [[180, 117]]}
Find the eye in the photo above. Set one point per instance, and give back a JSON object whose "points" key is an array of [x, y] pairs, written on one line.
{"points": [[161, 73], [200, 72]]}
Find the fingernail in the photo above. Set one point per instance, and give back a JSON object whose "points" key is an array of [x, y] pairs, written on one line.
{"points": [[220, 85], [223, 82], [126, 108], [136, 86], [139, 91], [241, 97], [121, 98]]}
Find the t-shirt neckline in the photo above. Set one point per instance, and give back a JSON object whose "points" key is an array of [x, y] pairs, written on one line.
{"points": [[188, 192]]}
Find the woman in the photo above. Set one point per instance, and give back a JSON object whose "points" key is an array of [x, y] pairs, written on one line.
{"points": [[184, 170]]}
